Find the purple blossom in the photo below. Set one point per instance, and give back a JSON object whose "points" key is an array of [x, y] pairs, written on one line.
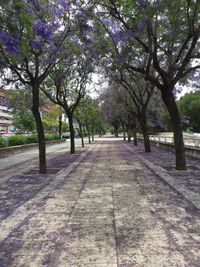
{"points": [[55, 24], [56, 11], [108, 21], [32, 1], [130, 33], [118, 36], [42, 29], [64, 4], [82, 15], [141, 25], [75, 2], [141, 2], [36, 44], [10, 43]]}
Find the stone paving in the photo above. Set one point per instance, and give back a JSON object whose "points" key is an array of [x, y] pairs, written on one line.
{"points": [[106, 209]]}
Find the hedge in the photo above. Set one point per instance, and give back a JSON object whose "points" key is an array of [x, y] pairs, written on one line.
{"points": [[16, 140], [21, 140], [32, 139], [3, 142], [51, 137]]}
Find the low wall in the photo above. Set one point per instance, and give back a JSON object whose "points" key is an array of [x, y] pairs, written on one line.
{"points": [[189, 151], [12, 150]]}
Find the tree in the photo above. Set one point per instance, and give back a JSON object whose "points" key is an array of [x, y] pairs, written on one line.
{"points": [[118, 110], [24, 121], [88, 115], [189, 105], [66, 87], [31, 39], [162, 46], [52, 120], [140, 92]]}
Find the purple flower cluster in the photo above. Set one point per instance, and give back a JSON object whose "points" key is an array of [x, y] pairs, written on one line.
{"points": [[42, 29], [64, 4], [122, 36], [141, 25], [10, 43], [141, 2]]}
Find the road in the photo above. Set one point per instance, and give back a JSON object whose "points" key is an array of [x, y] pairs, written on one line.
{"points": [[8, 162], [106, 209]]}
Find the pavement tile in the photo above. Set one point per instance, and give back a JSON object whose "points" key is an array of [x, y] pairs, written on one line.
{"points": [[111, 210]]}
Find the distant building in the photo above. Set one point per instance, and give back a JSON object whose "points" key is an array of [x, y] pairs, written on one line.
{"points": [[6, 118]]}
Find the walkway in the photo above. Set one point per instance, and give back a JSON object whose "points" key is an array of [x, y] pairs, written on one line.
{"points": [[106, 209]]}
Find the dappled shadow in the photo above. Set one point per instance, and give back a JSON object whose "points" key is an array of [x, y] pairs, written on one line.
{"points": [[21, 188]]}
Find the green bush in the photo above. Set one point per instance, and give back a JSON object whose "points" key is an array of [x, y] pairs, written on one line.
{"points": [[32, 139], [21, 140], [56, 136], [49, 137], [16, 140], [3, 142]]}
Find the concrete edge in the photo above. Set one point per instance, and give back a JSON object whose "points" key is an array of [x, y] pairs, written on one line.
{"points": [[190, 195], [12, 221], [189, 150]]}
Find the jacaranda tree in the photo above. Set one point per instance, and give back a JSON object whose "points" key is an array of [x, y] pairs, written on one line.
{"points": [[31, 44], [162, 46]]}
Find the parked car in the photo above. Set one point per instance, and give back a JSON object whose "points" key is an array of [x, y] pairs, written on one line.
{"points": [[66, 135]]}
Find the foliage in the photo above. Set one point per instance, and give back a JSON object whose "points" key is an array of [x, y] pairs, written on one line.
{"points": [[24, 121], [88, 114], [65, 127], [33, 138], [34, 36], [16, 140], [189, 105], [116, 105], [51, 119], [3, 142], [51, 137], [22, 140]]}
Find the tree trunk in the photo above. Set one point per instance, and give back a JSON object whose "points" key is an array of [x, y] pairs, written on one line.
{"points": [[71, 130], [88, 132], [81, 134], [116, 132], [60, 123], [168, 99], [144, 128], [124, 130], [124, 134], [134, 136], [40, 129], [129, 134], [129, 128], [92, 134]]}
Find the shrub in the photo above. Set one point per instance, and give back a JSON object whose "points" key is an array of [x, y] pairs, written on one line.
{"points": [[32, 139], [56, 136], [49, 137], [16, 140], [3, 142]]}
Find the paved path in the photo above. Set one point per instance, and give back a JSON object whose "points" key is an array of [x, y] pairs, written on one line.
{"points": [[107, 210]]}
